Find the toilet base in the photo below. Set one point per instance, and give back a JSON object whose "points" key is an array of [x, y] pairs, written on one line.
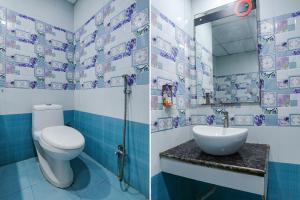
{"points": [[57, 172]]}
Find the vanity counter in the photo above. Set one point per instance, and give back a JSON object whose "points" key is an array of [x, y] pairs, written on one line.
{"points": [[251, 159]]}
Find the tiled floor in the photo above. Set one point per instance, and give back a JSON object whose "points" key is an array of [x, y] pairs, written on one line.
{"points": [[24, 181]]}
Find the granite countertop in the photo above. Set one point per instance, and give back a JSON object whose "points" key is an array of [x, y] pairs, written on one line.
{"points": [[250, 159]]}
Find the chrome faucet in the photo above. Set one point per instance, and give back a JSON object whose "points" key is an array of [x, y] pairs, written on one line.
{"points": [[225, 117]]}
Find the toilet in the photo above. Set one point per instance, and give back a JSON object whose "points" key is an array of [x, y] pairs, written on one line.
{"points": [[55, 144]]}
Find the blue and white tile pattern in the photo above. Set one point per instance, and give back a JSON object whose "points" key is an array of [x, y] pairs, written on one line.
{"points": [[277, 84]]}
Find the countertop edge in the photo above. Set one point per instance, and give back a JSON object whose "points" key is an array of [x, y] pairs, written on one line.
{"points": [[232, 168]]}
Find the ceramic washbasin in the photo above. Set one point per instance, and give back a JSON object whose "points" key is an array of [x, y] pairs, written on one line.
{"points": [[220, 141]]}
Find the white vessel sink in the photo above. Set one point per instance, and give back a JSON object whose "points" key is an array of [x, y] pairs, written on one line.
{"points": [[219, 141]]}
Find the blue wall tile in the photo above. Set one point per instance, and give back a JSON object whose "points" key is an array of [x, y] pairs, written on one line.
{"points": [[69, 117], [283, 184], [170, 187], [103, 135], [16, 141], [166, 186], [16, 136], [284, 181]]}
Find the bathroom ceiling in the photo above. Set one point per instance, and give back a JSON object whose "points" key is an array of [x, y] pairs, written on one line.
{"points": [[234, 34], [72, 1]]}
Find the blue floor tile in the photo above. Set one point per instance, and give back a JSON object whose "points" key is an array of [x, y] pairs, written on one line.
{"points": [[24, 181], [46, 191], [25, 194], [31, 164], [35, 176], [13, 179], [101, 191], [129, 192]]}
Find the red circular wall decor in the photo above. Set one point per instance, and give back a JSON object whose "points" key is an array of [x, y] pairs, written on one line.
{"points": [[243, 3]]}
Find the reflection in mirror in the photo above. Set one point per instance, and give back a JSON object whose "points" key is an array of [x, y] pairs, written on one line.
{"points": [[226, 54]]}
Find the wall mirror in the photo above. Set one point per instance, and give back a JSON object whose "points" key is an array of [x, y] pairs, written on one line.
{"points": [[226, 54]]}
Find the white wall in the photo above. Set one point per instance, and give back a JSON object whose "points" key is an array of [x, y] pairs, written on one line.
{"points": [[203, 34], [165, 140], [55, 12], [268, 8], [16, 101], [271, 8], [283, 141], [236, 63], [201, 6], [179, 11], [109, 102], [84, 9]]}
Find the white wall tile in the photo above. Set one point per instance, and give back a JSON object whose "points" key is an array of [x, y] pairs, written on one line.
{"points": [[55, 12], [15, 101], [83, 10], [165, 140], [110, 102], [180, 12]]}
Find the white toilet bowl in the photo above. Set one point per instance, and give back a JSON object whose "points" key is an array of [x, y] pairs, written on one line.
{"points": [[56, 146]]}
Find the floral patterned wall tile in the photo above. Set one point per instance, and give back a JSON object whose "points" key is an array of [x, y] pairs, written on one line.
{"points": [[278, 80], [37, 54], [237, 88], [111, 43]]}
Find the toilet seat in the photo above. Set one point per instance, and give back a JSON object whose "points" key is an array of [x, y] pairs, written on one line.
{"points": [[62, 137]]}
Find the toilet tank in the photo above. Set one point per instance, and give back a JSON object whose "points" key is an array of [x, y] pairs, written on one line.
{"points": [[46, 115]]}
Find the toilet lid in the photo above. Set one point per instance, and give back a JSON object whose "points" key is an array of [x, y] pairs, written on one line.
{"points": [[63, 137]]}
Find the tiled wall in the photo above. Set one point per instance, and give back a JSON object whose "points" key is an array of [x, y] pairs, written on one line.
{"points": [[2, 44], [16, 136], [16, 140], [236, 88], [34, 55], [283, 184], [111, 43], [167, 187], [103, 135], [173, 63], [279, 50], [37, 55], [204, 69], [279, 60], [284, 181], [279, 78]]}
